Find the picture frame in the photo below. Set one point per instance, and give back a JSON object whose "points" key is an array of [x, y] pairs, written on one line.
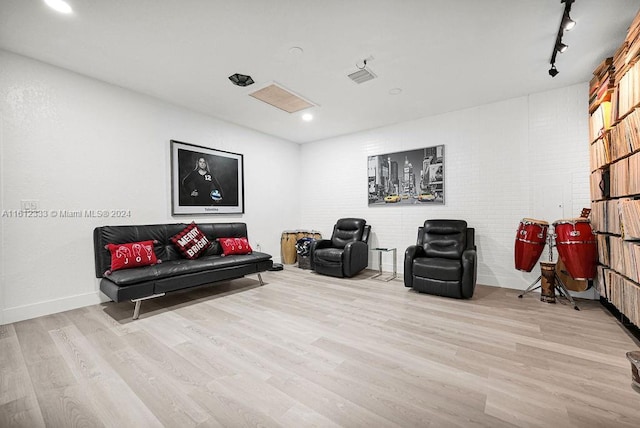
{"points": [[412, 177], [206, 180]]}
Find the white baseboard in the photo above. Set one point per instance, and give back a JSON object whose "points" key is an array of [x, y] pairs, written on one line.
{"points": [[21, 313]]}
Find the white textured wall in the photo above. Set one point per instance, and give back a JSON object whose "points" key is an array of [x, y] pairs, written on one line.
{"points": [[75, 143], [524, 157]]}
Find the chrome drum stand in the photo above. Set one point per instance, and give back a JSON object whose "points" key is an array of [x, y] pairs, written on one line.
{"points": [[562, 289]]}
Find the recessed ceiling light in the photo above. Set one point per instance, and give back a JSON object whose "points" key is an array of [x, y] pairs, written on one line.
{"points": [[59, 6], [296, 50], [307, 117], [395, 91]]}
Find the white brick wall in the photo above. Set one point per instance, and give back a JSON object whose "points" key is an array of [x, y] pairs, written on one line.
{"points": [[524, 157]]}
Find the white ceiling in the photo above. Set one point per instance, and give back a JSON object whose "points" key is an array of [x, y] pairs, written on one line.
{"points": [[445, 55]]}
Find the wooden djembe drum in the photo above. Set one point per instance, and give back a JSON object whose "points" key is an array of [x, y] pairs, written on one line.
{"points": [[548, 282]]}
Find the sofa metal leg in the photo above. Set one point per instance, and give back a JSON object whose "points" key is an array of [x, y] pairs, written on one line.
{"points": [[260, 279], [138, 302], [136, 310]]}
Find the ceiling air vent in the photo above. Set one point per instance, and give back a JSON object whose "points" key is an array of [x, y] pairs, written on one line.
{"points": [[362, 75]]}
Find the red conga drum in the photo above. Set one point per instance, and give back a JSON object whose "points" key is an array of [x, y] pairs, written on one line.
{"points": [[576, 246], [530, 240]]}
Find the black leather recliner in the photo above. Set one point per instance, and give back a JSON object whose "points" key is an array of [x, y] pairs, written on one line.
{"points": [[444, 259], [346, 253]]}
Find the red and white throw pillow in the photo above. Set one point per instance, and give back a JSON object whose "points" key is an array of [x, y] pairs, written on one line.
{"points": [[191, 242], [235, 246], [130, 255]]}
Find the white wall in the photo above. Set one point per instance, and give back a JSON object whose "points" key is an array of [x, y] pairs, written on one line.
{"points": [[524, 157], [74, 143]]}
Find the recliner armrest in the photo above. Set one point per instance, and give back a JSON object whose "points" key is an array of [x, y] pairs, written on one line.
{"points": [[365, 234], [316, 245], [471, 238], [411, 253], [355, 257], [469, 258], [469, 272], [414, 251]]}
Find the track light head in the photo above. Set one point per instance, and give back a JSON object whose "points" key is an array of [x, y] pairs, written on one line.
{"points": [[561, 47], [553, 71], [568, 23]]}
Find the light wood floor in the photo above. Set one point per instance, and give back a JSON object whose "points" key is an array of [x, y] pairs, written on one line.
{"points": [[307, 350]]}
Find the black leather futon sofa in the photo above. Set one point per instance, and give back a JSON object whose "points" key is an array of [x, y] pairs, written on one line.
{"points": [[174, 272]]}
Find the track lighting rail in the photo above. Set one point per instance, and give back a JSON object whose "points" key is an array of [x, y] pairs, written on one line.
{"points": [[566, 24]]}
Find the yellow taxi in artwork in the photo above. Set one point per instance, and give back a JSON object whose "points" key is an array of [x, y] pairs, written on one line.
{"points": [[426, 197], [392, 197]]}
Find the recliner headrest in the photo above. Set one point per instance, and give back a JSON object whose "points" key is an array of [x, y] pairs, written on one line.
{"points": [[444, 227], [444, 238], [347, 230], [351, 223]]}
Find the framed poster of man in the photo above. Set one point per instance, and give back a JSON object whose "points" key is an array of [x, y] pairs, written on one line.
{"points": [[205, 181]]}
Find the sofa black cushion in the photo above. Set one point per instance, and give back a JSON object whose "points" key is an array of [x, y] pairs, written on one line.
{"points": [[183, 266], [177, 282], [438, 268], [329, 255]]}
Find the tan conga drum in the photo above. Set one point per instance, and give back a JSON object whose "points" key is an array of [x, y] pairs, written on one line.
{"points": [[303, 233], [548, 282], [288, 246]]}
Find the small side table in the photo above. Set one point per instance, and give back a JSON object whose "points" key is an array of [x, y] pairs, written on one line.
{"points": [[395, 263]]}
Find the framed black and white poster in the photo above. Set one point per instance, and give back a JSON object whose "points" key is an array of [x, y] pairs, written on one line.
{"points": [[413, 177], [205, 181]]}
